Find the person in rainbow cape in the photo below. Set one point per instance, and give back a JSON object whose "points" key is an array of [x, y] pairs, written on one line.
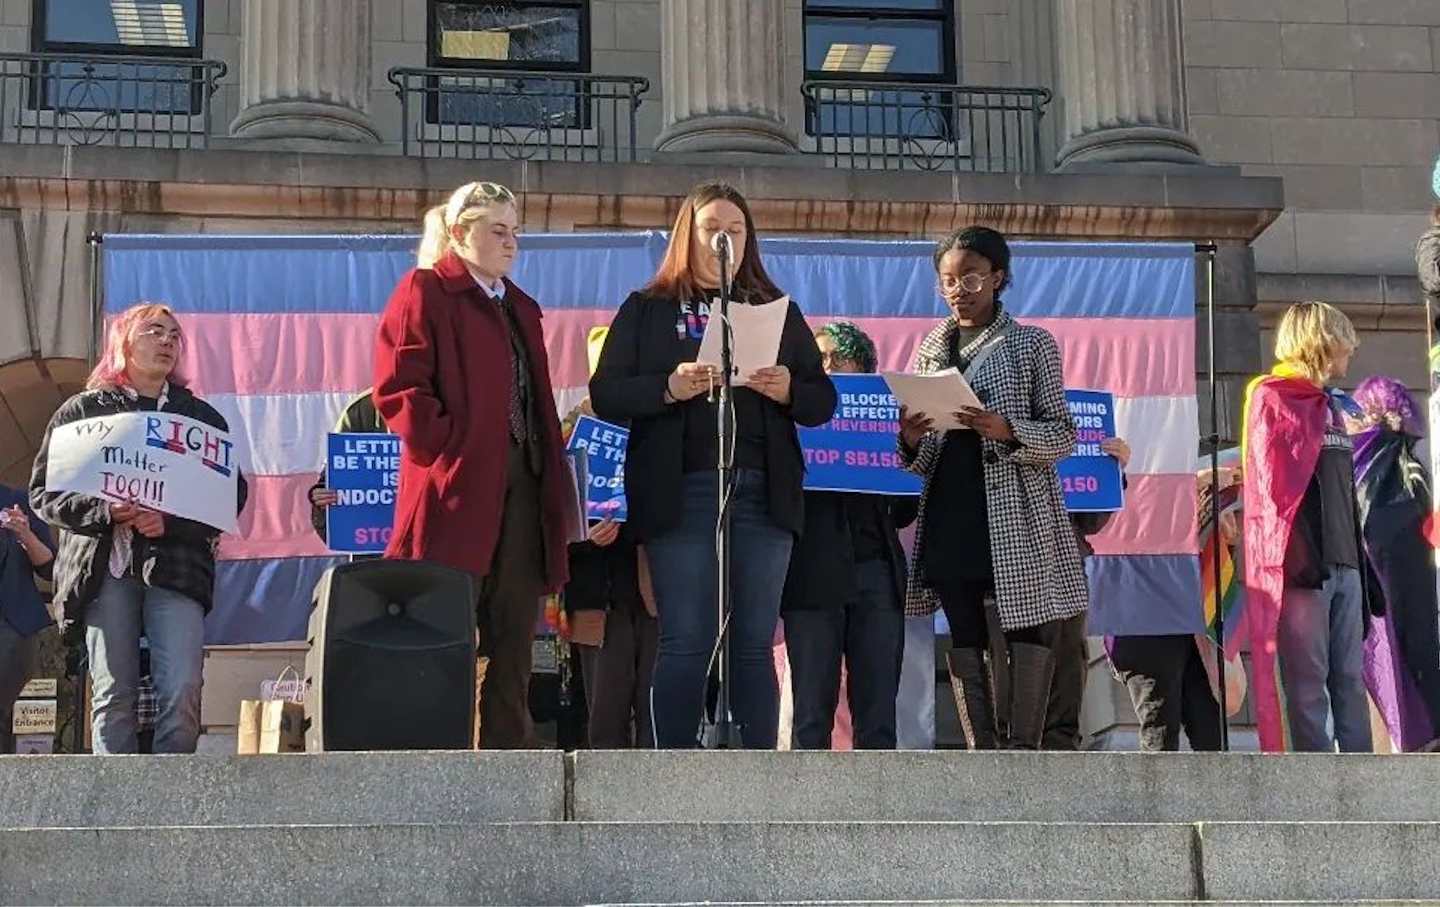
{"points": [[1306, 603]]}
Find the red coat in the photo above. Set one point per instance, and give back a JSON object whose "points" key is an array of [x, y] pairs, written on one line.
{"points": [[442, 373]]}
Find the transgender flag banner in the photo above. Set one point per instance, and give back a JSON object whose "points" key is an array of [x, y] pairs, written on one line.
{"points": [[280, 330]]}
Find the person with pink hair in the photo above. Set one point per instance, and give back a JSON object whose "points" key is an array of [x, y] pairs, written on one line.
{"points": [[124, 571]]}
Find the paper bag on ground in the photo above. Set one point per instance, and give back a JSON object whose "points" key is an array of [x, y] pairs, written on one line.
{"points": [[939, 395], [756, 336], [282, 727], [247, 733]]}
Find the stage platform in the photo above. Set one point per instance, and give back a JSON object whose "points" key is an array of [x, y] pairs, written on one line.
{"points": [[670, 828]]}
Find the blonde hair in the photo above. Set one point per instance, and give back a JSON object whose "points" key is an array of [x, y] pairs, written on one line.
{"points": [[1311, 336], [467, 204]]}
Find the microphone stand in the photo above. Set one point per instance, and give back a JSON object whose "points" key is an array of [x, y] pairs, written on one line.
{"points": [[1208, 250], [726, 732]]}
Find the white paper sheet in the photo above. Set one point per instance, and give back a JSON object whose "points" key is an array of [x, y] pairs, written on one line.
{"points": [[939, 395], [757, 330]]}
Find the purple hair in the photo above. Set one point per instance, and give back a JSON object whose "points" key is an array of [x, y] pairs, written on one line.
{"points": [[1387, 401]]}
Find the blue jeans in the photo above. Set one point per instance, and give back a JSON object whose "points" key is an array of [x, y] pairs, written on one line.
{"points": [[1319, 645], [684, 572], [174, 624]]}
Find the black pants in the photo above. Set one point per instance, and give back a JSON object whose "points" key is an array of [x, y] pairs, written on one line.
{"points": [[1170, 691], [509, 609], [1067, 687], [617, 680], [964, 606], [869, 633]]}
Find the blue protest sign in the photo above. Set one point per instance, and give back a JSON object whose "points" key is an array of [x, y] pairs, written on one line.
{"points": [[855, 450], [1090, 477], [604, 446], [364, 470]]}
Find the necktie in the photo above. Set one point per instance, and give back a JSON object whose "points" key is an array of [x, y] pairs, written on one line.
{"points": [[515, 404]]}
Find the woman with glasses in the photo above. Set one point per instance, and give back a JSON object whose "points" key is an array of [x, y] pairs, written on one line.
{"points": [[124, 571], [648, 376], [993, 526], [462, 377]]}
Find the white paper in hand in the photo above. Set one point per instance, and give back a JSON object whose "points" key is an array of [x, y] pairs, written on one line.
{"points": [[938, 395], [757, 330]]}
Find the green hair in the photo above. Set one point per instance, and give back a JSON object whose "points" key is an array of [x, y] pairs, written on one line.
{"points": [[852, 343]]}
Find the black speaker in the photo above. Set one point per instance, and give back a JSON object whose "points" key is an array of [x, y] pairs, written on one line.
{"points": [[392, 658]]}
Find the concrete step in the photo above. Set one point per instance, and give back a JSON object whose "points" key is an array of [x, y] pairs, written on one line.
{"points": [[764, 862], [475, 788], [1024, 787], [462, 788]]}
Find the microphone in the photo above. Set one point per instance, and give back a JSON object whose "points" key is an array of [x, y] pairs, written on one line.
{"points": [[720, 245]]}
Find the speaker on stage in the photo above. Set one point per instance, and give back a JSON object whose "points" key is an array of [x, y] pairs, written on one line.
{"points": [[392, 658]]}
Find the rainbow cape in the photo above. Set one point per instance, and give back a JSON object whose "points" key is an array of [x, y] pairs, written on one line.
{"points": [[1285, 418]]}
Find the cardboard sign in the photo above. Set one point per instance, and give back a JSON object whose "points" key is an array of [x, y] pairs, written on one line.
{"points": [[163, 461], [364, 470], [1091, 478], [855, 450], [604, 446], [34, 716]]}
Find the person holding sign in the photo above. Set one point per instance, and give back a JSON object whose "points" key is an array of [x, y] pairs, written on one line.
{"points": [[844, 592], [462, 377], [359, 417], [124, 570], [993, 524], [648, 376]]}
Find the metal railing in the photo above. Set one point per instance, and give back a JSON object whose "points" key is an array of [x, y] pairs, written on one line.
{"points": [[917, 126], [97, 99], [493, 114]]}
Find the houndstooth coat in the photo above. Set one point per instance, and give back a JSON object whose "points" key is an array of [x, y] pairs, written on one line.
{"points": [[1039, 576]]}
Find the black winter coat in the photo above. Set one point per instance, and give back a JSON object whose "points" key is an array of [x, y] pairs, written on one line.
{"points": [[629, 384], [822, 563]]}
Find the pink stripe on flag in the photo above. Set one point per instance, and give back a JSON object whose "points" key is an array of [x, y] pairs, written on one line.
{"points": [[565, 334], [278, 354], [1159, 518], [275, 522], [1130, 357]]}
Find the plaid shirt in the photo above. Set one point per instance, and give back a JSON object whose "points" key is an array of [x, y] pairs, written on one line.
{"points": [[1038, 573], [182, 560]]}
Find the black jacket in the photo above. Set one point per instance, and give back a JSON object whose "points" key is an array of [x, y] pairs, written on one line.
{"points": [[604, 579], [629, 384], [822, 563], [182, 560]]}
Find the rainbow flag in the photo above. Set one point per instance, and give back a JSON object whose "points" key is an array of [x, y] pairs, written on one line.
{"points": [[1232, 591]]}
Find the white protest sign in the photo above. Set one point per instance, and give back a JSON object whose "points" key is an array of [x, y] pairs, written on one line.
{"points": [[163, 461]]}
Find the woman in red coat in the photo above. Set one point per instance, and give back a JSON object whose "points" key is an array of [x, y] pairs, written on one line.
{"points": [[462, 377]]}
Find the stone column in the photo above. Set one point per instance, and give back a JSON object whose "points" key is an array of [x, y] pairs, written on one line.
{"points": [[1034, 54], [305, 70], [722, 76], [1122, 77]]}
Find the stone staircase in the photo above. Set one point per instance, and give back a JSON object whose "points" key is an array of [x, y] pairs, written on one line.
{"points": [[672, 828]]}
